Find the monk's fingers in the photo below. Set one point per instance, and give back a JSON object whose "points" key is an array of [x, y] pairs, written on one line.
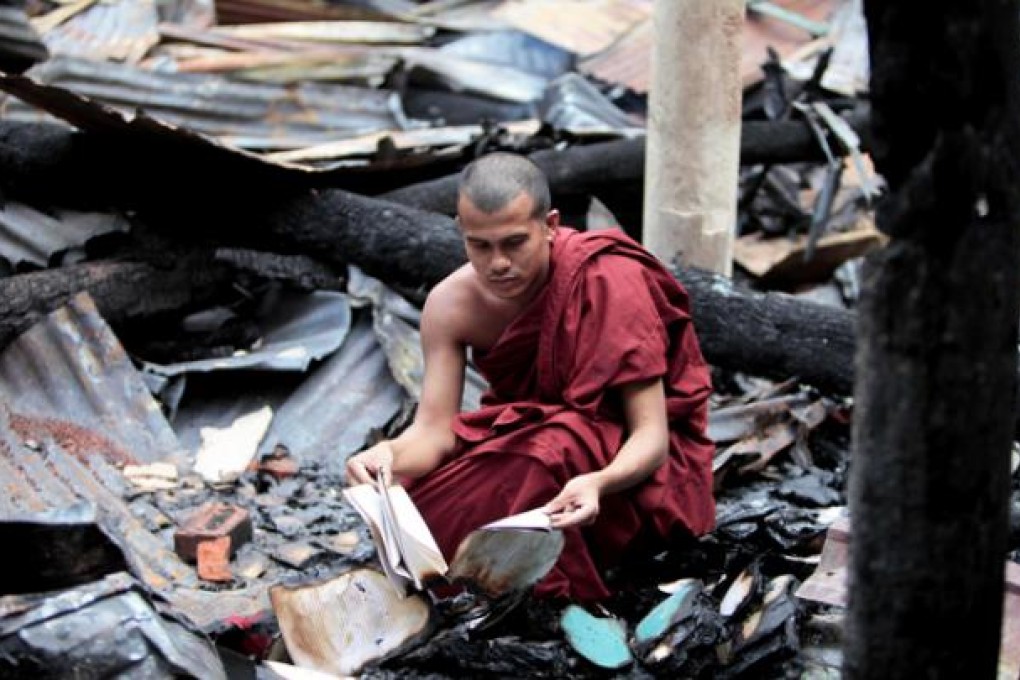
{"points": [[358, 472]]}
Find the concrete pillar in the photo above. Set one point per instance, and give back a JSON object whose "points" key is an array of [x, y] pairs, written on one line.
{"points": [[693, 156]]}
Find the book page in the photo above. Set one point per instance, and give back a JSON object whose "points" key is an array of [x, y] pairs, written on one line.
{"points": [[536, 520], [421, 554], [369, 504]]}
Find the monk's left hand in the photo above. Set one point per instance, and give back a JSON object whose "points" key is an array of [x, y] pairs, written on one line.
{"points": [[577, 504]]}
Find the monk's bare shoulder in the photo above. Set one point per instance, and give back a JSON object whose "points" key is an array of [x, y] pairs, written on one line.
{"points": [[450, 306]]}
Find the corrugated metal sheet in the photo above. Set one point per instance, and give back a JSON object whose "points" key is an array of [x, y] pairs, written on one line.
{"points": [[323, 417], [572, 103], [431, 139], [513, 48], [461, 74], [19, 42], [123, 30], [27, 235], [300, 328], [52, 478], [246, 115], [253, 11], [71, 370], [629, 61], [583, 27], [49, 477], [330, 416], [357, 32]]}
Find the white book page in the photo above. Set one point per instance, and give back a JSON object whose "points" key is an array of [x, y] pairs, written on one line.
{"points": [[421, 552], [535, 519], [369, 504]]}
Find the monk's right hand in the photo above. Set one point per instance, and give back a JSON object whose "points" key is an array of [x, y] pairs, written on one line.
{"points": [[370, 464]]}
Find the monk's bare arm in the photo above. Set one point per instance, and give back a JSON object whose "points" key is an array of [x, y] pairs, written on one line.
{"points": [[422, 447], [647, 446], [644, 450]]}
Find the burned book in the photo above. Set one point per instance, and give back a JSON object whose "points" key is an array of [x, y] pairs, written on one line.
{"points": [[407, 550], [506, 555]]}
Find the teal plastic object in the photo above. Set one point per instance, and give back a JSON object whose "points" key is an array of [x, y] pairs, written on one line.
{"points": [[673, 609], [601, 641]]}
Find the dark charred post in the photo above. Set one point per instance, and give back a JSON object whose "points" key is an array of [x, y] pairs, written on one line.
{"points": [[936, 361], [123, 291], [594, 168]]}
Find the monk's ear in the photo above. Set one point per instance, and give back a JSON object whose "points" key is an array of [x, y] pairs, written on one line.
{"points": [[552, 219]]}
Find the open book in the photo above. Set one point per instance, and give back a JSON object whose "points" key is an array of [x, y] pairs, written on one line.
{"points": [[407, 549]]}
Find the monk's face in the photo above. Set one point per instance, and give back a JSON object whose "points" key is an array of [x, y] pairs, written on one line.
{"points": [[509, 249]]}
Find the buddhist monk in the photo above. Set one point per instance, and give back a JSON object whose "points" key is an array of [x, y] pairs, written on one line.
{"points": [[597, 403]]}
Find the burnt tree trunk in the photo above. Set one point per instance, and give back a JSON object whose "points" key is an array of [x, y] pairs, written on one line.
{"points": [[595, 168], [123, 291], [937, 347]]}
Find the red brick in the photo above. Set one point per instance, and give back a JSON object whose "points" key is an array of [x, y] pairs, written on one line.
{"points": [[213, 520], [214, 559]]}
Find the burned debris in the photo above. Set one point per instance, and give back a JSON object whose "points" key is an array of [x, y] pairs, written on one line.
{"points": [[219, 224]]}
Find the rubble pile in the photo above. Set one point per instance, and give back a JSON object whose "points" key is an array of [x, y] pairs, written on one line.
{"points": [[219, 223]]}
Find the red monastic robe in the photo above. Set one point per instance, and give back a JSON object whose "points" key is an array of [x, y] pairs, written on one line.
{"points": [[609, 315]]}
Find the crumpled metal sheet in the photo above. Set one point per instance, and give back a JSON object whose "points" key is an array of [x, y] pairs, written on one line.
{"points": [[574, 104], [27, 235], [462, 74], [244, 115], [323, 416], [515, 49], [122, 30], [254, 11], [46, 476], [627, 62], [19, 43], [395, 322], [300, 328], [104, 629], [583, 27], [53, 478], [332, 413], [71, 370]]}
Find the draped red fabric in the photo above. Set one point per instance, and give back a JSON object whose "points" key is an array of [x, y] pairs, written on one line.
{"points": [[609, 315]]}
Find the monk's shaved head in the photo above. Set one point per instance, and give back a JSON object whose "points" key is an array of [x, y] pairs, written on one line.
{"points": [[494, 180]]}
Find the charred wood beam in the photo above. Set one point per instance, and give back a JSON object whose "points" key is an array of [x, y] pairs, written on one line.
{"points": [[592, 168], [123, 291], [298, 271], [771, 334]]}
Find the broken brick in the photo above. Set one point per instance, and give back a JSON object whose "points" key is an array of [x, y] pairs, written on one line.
{"points": [[213, 557], [213, 520]]}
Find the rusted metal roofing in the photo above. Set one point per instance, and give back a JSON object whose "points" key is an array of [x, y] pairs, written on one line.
{"points": [[629, 61], [254, 11], [19, 42], [46, 474], [70, 371], [584, 27], [123, 30], [245, 115], [27, 235]]}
